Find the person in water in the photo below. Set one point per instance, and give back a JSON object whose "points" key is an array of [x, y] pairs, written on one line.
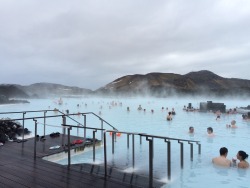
{"points": [[241, 156], [191, 130], [218, 114], [222, 159], [139, 108], [233, 124], [169, 117], [173, 111], [210, 131]]}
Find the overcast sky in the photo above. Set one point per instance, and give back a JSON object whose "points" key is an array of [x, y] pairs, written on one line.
{"points": [[91, 43]]}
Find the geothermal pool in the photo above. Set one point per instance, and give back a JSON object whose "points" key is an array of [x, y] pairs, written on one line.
{"points": [[197, 173]]}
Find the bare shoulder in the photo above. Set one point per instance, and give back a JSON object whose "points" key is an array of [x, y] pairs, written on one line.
{"points": [[214, 159], [243, 164]]}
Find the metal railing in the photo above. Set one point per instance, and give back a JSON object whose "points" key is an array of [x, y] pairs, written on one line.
{"points": [[149, 138], [62, 115]]}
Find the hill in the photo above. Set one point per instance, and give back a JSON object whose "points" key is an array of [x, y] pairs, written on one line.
{"points": [[152, 84], [40, 90], [12, 91], [49, 89], [164, 84]]}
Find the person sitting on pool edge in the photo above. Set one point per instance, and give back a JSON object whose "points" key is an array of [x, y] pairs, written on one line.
{"points": [[241, 156], [222, 159], [210, 131]]}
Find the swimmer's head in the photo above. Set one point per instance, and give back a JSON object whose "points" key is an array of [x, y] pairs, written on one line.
{"points": [[243, 155], [191, 129], [223, 151], [210, 130], [233, 122]]}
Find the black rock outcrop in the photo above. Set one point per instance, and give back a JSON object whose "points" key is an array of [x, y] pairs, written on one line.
{"points": [[10, 130]]}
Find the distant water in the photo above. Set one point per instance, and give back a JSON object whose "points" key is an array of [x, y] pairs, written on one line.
{"points": [[198, 173]]}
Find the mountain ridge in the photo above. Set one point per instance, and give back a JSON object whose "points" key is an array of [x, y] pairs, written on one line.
{"points": [[165, 84], [154, 84]]}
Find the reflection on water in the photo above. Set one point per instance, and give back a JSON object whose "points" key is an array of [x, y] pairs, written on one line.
{"points": [[194, 174], [242, 172], [210, 139], [233, 131], [221, 171]]}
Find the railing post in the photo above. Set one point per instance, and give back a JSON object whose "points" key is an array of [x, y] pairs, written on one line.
{"points": [[128, 140], [169, 158], [23, 124], [141, 137], [94, 144], [181, 152], [191, 150], [69, 155], [44, 123], [105, 155], [35, 138], [150, 143], [199, 147], [63, 129], [113, 142], [77, 130], [133, 150], [102, 130], [85, 124], [64, 122]]}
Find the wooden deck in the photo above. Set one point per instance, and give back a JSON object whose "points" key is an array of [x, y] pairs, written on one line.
{"points": [[20, 169]]}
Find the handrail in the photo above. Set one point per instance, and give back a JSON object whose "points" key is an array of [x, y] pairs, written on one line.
{"points": [[66, 125], [101, 119], [150, 138], [68, 115], [155, 136], [169, 138], [63, 115], [89, 113], [37, 117], [26, 111]]}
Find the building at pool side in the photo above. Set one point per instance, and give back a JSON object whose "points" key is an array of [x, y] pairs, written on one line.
{"points": [[210, 106]]}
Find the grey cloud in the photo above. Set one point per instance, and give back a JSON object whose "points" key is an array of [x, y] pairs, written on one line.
{"points": [[91, 43]]}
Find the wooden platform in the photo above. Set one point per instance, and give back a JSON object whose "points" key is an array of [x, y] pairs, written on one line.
{"points": [[19, 168]]}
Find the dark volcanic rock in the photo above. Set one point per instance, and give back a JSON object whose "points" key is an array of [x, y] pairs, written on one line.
{"points": [[12, 91], [10, 130], [5, 100]]}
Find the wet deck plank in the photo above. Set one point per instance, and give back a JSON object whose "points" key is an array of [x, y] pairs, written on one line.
{"points": [[20, 169]]}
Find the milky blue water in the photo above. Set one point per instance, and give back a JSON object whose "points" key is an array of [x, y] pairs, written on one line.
{"points": [[198, 173]]}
